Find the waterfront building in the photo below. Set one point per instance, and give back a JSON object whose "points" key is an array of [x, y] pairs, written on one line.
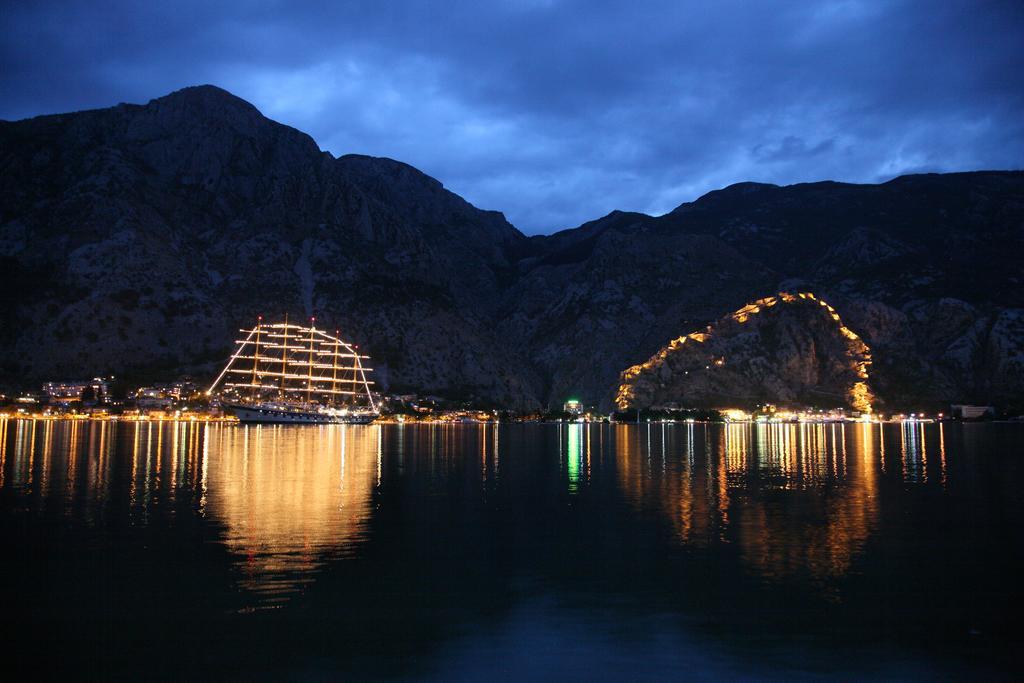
{"points": [[74, 391], [181, 390], [970, 412], [153, 397]]}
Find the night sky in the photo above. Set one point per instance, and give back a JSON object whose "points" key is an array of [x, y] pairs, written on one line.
{"points": [[558, 112]]}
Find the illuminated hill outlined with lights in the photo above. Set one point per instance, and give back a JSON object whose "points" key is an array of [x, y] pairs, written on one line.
{"points": [[792, 349]]}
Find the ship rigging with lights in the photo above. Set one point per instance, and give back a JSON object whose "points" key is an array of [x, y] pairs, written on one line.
{"points": [[287, 373]]}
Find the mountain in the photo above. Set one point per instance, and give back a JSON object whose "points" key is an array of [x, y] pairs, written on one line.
{"points": [[927, 268], [791, 349], [138, 239]]}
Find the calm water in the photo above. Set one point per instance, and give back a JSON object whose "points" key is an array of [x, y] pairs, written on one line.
{"points": [[551, 552]]}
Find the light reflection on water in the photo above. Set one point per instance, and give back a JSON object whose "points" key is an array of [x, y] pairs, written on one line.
{"points": [[797, 498], [292, 498], [812, 506], [288, 499]]}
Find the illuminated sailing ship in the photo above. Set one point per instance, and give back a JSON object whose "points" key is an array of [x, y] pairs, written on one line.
{"points": [[288, 373]]}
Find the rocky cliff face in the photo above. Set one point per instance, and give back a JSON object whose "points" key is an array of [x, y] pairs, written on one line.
{"points": [[137, 239], [791, 349]]}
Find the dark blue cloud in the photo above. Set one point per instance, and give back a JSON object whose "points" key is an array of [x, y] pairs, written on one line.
{"points": [[557, 112]]}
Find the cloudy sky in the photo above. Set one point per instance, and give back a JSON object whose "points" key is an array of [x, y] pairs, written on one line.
{"points": [[558, 112]]}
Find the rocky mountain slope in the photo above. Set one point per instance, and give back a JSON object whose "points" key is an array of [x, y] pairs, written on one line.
{"points": [[137, 239], [597, 304], [927, 269], [791, 349]]}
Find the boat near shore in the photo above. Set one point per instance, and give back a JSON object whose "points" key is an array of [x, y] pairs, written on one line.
{"points": [[289, 414], [293, 374]]}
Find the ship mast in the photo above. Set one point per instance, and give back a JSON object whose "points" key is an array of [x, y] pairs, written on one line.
{"points": [[256, 358], [334, 366], [354, 365], [309, 382], [358, 363], [284, 357]]}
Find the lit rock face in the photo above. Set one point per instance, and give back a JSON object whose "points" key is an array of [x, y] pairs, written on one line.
{"points": [[791, 349]]}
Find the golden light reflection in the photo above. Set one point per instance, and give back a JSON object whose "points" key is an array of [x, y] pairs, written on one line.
{"points": [[287, 498], [752, 480], [290, 498], [689, 498], [837, 499], [3, 450]]}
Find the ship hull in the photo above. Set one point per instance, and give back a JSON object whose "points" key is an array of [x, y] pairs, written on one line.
{"points": [[271, 415]]}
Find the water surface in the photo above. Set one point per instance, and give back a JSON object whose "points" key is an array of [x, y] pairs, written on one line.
{"points": [[463, 552]]}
